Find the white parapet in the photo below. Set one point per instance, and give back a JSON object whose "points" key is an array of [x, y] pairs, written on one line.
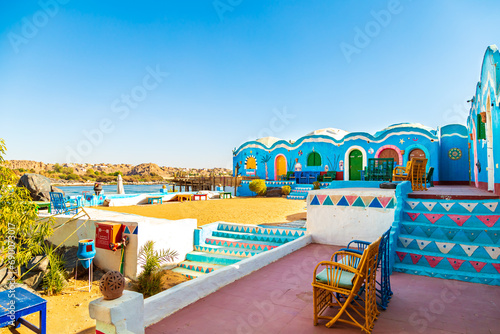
{"points": [[337, 216], [124, 315]]}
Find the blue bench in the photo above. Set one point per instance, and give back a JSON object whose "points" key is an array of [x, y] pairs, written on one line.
{"points": [[17, 303]]}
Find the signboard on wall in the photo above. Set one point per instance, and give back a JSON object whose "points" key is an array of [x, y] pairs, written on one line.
{"points": [[107, 233]]}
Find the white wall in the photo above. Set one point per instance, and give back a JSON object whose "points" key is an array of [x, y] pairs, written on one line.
{"points": [[337, 225], [174, 234]]}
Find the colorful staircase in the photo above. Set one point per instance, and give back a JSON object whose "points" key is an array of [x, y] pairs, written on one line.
{"points": [[452, 239], [231, 243], [300, 191]]}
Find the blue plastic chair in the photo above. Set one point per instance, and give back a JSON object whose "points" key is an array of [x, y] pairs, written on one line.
{"points": [[384, 292], [59, 205]]}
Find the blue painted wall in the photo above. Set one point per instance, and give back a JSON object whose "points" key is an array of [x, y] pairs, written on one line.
{"points": [[334, 152], [486, 100]]}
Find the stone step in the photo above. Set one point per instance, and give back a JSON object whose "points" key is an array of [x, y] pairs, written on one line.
{"points": [[200, 266], [253, 237], [232, 251], [282, 231], [453, 219], [237, 228], [239, 243], [444, 233], [220, 259], [453, 263], [296, 196], [467, 250], [448, 274], [188, 273], [453, 206]]}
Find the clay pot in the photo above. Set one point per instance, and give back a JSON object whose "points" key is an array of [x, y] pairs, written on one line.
{"points": [[112, 285], [483, 116]]}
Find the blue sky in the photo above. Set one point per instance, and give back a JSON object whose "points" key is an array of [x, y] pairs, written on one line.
{"points": [[182, 83]]}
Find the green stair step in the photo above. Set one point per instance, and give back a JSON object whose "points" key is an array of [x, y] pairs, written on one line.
{"points": [[254, 237], [200, 266], [188, 273], [233, 251], [212, 240], [213, 258]]}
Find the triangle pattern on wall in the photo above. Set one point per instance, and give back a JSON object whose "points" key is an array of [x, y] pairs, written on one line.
{"points": [[433, 217], [315, 201], [322, 198], [328, 201], [350, 198], [468, 206], [367, 199], [412, 204], [415, 258], [375, 203], [492, 206], [493, 252], [433, 260], [359, 202], [494, 236], [335, 198], [413, 215], [459, 219], [343, 202], [489, 220], [455, 263], [384, 200], [469, 249], [444, 247], [422, 243], [405, 241], [478, 265], [429, 205], [401, 255], [447, 206]]}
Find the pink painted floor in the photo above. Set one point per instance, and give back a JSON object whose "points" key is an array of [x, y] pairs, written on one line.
{"points": [[278, 299], [453, 192]]}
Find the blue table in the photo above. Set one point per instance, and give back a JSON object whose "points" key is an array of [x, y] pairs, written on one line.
{"points": [[25, 303]]}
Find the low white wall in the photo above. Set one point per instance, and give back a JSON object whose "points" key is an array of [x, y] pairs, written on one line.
{"points": [[167, 302], [338, 224], [173, 234]]}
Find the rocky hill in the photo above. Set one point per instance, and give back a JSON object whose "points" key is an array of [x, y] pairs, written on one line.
{"points": [[145, 169]]}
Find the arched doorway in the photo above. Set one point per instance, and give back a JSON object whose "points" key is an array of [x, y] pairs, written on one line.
{"points": [[389, 153], [489, 146], [355, 165], [416, 153], [280, 164], [314, 159]]}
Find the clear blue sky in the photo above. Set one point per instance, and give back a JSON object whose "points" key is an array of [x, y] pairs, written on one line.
{"points": [[222, 71]]}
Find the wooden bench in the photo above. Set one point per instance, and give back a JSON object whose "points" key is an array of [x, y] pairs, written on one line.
{"points": [[225, 194], [153, 199], [199, 196], [25, 303], [182, 197]]}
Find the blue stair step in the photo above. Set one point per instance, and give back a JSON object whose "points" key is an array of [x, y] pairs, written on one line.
{"points": [[224, 260], [232, 251], [200, 266], [243, 244], [254, 237], [188, 273]]}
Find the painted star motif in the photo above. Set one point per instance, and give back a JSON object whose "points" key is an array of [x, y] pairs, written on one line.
{"points": [[401, 141]]}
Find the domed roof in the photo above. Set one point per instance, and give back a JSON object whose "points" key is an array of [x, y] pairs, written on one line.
{"points": [[406, 125], [268, 141], [331, 132]]}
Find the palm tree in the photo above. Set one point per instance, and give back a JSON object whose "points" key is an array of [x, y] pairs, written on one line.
{"points": [[264, 160]]}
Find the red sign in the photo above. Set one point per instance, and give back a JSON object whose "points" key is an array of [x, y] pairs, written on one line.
{"points": [[107, 233]]}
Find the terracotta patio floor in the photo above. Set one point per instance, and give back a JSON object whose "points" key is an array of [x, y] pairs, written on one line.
{"points": [[453, 192], [278, 299]]}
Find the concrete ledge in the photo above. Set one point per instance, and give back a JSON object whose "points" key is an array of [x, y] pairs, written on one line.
{"points": [[165, 303]]}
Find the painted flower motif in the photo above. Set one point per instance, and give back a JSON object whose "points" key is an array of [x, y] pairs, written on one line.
{"points": [[455, 153], [300, 152], [370, 150]]}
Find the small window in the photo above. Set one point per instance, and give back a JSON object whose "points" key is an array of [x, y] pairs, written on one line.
{"points": [[251, 163], [314, 159], [481, 128]]}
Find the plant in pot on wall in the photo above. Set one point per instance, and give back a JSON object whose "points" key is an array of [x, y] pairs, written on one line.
{"points": [[285, 190], [316, 185]]}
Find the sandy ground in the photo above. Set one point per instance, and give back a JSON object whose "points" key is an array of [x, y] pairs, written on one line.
{"points": [[69, 311], [243, 210]]}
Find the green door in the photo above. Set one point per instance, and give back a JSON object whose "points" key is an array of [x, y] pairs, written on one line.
{"points": [[355, 164]]}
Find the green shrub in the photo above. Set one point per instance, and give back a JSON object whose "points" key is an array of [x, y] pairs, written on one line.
{"points": [[151, 260], [54, 280], [258, 186], [286, 190], [316, 185]]}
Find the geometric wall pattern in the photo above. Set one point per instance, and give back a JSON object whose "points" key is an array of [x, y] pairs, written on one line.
{"points": [[450, 239], [382, 202]]}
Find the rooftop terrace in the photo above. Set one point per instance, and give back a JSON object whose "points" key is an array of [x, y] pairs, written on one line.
{"points": [[278, 299]]}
